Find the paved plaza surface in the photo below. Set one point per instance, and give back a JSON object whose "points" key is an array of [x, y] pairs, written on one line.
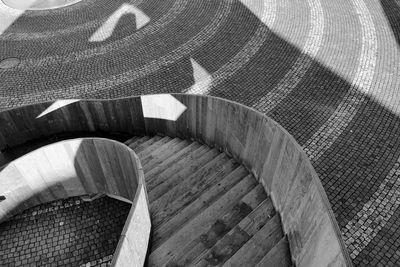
{"points": [[66, 232], [327, 71]]}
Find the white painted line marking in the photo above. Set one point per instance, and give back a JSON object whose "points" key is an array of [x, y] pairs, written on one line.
{"points": [[108, 27]]}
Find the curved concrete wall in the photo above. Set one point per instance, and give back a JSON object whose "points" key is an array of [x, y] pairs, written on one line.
{"points": [[257, 141], [79, 167]]}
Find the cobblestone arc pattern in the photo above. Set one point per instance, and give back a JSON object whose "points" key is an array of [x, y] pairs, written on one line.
{"points": [[325, 70], [66, 232]]}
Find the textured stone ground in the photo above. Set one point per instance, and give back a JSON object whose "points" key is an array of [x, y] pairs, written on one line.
{"points": [[67, 232], [325, 70]]}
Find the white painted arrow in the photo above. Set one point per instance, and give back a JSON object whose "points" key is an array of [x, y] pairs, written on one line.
{"points": [[108, 27], [57, 105], [202, 79], [162, 106]]}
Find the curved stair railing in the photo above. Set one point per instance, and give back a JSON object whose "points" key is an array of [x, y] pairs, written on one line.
{"points": [[258, 142], [82, 167]]}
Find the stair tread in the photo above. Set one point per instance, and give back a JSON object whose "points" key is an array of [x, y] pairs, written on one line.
{"points": [[238, 236], [200, 223], [279, 255], [142, 146], [192, 168], [206, 209], [165, 230], [188, 188], [162, 153], [131, 140], [138, 141], [260, 244], [220, 227], [178, 168], [154, 146], [172, 160]]}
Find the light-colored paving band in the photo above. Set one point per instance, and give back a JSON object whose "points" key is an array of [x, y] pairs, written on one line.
{"points": [[302, 64], [375, 214], [327, 134], [355, 238]]}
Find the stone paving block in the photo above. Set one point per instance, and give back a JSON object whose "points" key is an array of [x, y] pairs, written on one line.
{"points": [[82, 232]]}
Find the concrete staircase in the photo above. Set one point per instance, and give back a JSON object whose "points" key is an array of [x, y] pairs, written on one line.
{"points": [[206, 208]]}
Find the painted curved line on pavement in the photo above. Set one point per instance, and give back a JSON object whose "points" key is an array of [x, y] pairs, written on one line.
{"points": [[302, 64]]}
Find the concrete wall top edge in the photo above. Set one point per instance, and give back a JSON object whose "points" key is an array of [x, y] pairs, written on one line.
{"points": [[257, 141]]}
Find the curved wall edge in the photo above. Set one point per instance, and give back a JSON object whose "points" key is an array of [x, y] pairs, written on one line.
{"points": [[79, 167], [257, 141]]}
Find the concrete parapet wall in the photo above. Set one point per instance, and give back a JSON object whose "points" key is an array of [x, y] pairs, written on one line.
{"points": [[79, 167], [257, 141]]}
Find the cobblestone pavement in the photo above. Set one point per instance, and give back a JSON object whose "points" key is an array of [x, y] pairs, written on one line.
{"points": [[66, 232], [326, 70]]}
